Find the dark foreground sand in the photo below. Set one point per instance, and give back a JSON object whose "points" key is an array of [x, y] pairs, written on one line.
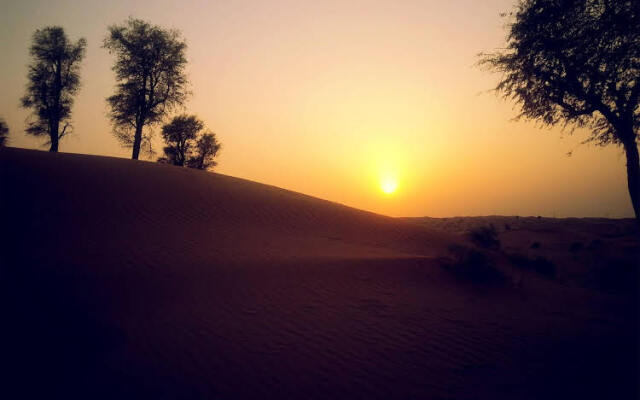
{"points": [[123, 279]]}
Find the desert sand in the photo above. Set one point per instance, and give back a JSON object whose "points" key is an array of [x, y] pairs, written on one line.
{"points": [[125, 279]]}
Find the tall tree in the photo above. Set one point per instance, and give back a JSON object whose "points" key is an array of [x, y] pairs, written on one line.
{"points": [[180, 136], [207, 148], [150, 74], [577, 63], [54, 79], [4, 133]]}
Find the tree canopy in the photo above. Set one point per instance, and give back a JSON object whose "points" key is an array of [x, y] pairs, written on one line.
{"points": [[4, 133], [150, 73], [574, 61], [577, 63], [186, 145], [54, 80], [207, 148], [180, 137]]}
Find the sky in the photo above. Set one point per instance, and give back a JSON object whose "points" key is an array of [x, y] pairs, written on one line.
{"points": [[340, 100]]}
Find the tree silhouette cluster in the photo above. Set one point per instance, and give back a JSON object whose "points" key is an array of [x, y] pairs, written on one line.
{"points": [[187, 145], [577, 63], [151, 83]]}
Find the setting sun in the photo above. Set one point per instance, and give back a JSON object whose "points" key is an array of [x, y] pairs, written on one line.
{"points": [[389, 185]]}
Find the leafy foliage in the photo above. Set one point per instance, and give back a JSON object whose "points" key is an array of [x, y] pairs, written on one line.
{"points": [[150, 73], [180, 136], [207, 147], [184, 147], [54, 80], [4, 133], [574, 62]]}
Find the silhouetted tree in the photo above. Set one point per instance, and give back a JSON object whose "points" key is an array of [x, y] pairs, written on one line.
{"points": [[185, 146], [207, 147], [149, 67], [54, 78], [180, 136], [4, 133], [577, 62]]}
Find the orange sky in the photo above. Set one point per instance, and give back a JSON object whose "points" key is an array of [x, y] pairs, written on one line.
{"points": [[329, 97]]}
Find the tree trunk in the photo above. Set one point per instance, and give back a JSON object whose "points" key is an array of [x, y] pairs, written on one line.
{"points": [[140, 118], [53, 135], [54, 126], [137, 140], [54, 143], [633, 175]]}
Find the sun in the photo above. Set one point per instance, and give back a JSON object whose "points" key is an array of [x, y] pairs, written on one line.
{"points": [[388, 177], [388, 185]]}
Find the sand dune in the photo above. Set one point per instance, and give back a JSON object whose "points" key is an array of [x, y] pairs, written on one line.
{"points": [[124, 279]]}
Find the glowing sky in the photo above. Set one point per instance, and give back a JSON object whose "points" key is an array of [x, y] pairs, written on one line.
{"points": [[330, 98]]}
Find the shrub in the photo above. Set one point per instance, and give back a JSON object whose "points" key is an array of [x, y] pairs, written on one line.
{"points": [[473, 265], [485, 237], [541, 265]]}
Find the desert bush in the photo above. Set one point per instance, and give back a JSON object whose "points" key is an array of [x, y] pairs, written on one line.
{"points": [[473, 265], [541, 265], [485, 237]]}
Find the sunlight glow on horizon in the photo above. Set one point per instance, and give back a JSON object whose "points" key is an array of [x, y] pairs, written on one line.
{"points": [[376, 105]]}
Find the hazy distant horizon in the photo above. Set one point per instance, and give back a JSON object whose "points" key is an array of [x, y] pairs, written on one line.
{"points": [[327, 98]]}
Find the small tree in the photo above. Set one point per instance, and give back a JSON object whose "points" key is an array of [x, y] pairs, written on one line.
{"points": [[185, 146], [577, 62], [54, 79], [4, 133], [207, 148], [150, 74], [180, 136]]}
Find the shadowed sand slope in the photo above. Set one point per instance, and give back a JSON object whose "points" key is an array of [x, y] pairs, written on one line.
{"points": [[125, 279], [107, 206]]}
